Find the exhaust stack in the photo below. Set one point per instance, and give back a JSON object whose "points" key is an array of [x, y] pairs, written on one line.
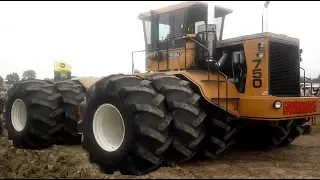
{"points": [[211, 12], [211, 30]]}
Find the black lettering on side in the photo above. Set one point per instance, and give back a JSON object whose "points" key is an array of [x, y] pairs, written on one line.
{"points": [[257, 74]]}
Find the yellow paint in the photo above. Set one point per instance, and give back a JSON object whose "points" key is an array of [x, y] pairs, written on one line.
{"points": [[254, 103], [62, 66]]}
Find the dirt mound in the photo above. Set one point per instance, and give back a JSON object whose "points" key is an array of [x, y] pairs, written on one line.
{"points": [[56, 162], [299, 160]]}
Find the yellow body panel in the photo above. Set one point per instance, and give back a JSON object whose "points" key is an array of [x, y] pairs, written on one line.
{"points": [[253, 107], [185, 58], [255, 64], [255, 102], [292, 107]]}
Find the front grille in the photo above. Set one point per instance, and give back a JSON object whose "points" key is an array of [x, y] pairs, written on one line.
{"points": [[284, 69]]}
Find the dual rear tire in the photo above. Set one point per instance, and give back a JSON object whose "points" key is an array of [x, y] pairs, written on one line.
{"points": [[188, 119], [133, 125], [137, 139], [42, 113], [34, 114], [266, 137], [72, 94]]}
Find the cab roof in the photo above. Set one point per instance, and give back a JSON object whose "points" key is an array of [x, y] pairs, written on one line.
{"points": [[220, 11]]}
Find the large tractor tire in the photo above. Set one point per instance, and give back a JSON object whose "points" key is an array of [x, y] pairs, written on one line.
{"points": [[307, 129], [125, 126], [188, 119], [83, 105], [220, 136], [296, 130], [3, 130], [82, 109], [264, 136], [72, 95], [33, 114]]}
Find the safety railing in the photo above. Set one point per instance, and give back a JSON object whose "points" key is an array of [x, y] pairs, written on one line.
{"points": [[215, 63], [304, 82]]}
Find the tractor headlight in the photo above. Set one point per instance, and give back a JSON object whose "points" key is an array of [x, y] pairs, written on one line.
{"points": [[277, 104]]}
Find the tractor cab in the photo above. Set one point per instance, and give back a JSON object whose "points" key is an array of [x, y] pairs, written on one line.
{"points": [[177, 20], [177, 35]]}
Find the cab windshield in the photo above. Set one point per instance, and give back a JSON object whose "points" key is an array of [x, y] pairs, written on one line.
{"points": [[217, 22], [180, 22]]}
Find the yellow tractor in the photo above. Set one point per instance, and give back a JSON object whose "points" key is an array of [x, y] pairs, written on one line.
{"points": [[200, 95]]}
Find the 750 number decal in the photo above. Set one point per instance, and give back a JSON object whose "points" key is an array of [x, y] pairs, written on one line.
{"points": [[256, 74]]}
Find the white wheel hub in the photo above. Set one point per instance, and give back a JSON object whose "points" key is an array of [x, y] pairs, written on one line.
{"points": [[108, 127], [18, 115]]}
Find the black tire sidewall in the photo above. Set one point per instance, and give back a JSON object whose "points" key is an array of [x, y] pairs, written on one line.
{"points": [[18, 135], [307, 129], [89, 141]]}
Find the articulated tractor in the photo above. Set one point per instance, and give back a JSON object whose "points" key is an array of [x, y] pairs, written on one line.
{"points": [[200, 94]]}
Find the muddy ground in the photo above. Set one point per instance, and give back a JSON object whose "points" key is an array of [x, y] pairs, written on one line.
{"points": [[299, 160]]}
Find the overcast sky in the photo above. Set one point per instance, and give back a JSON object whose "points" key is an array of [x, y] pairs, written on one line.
{"points": [[97, 38]]}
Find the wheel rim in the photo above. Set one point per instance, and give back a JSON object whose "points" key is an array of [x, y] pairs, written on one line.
{"points": [[108, 127], [18, 115]]}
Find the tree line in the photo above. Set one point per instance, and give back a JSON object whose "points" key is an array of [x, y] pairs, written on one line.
{"points": [[14, 77], [313, 80]]}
